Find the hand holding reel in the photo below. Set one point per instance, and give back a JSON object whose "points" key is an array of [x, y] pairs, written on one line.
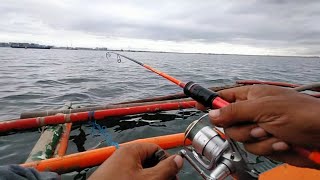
{"points": [[213, 155]]}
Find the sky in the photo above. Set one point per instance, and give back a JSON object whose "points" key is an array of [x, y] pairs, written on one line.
{"points": [[264, 27]]}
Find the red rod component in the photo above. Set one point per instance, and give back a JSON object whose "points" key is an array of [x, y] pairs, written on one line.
{"points": [[311, 155], [219, 102], [96, 157], [19, 124]]}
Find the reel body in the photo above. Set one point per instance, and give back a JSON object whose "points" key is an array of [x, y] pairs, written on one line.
{"points": [[214, 156]]}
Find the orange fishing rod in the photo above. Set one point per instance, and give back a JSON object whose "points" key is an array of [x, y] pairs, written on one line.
{"points": [[203, 95], [209, 99]]}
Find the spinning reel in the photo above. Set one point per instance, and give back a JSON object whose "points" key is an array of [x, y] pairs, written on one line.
{"points": [[213, 155]]}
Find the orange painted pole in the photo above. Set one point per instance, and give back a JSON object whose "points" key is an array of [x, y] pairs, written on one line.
{"points": [[92, 108], [63, 145], [96, 157], [19, 124]]}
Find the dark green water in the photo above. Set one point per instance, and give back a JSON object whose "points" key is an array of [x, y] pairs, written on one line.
{"points": [[47, 79]]}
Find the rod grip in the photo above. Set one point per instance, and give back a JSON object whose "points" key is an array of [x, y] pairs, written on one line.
{"points": [[204, 96]]}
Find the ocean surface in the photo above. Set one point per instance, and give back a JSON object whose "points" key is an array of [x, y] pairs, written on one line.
{"points": [[35, 79]]}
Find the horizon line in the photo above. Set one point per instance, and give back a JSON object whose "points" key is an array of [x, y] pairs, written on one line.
{"points": [[154, 51]]}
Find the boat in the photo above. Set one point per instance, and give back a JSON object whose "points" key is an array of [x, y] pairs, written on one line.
{"points": [[56, 160], [29, 46]]}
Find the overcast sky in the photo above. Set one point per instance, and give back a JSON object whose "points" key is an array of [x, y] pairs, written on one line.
{"points": [[275, 27]]}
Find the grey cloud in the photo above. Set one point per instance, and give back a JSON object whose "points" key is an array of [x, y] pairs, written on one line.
{"points": [[260, 23]]}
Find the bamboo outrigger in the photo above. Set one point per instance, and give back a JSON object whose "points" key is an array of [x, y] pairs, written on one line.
{"points": [[29, 123]]}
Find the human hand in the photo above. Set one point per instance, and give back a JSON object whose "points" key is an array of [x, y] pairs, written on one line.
{"points": [[270, 120], [128, 161]]}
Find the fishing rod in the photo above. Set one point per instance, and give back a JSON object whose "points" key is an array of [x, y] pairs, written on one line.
{"points": [[208, 98], [203, 95]]}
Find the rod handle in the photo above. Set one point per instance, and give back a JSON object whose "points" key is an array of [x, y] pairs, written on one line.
{"points": [[204, 96]]}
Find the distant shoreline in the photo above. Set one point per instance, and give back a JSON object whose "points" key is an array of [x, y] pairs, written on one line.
{"points": [[144, 51], [172, 52]]}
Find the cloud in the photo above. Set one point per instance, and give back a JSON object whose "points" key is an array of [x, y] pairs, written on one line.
{"points": [[273, 26]]}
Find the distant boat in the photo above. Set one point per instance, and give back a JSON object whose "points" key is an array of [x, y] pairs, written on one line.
{"points": [[29, 46]]}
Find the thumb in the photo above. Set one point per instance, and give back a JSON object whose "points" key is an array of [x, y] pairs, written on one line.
{"points": [[234, 113], [166, 169]]}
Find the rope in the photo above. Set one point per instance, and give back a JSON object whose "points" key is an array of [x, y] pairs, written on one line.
{"points": [[100, 130]]}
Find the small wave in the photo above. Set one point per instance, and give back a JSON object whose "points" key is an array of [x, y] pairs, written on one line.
{"points": [[27, 96], [49, 82], [4, 147], [73, 97], [7, 156], [78, 80], [218, 81], [107, 92]]}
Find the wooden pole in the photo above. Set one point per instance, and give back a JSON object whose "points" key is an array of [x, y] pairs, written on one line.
{"points": [[93, 108], [20, 124], [155, 100]]}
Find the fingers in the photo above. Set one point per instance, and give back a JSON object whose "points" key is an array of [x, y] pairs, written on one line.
{"points": [[250, 93], [166, 169], [253, 92], [235, 113], [243, 133], [139, 151], [255, 136], [280, 146], [266, 147], [201, 107], [234, 94], [258, 133]]}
